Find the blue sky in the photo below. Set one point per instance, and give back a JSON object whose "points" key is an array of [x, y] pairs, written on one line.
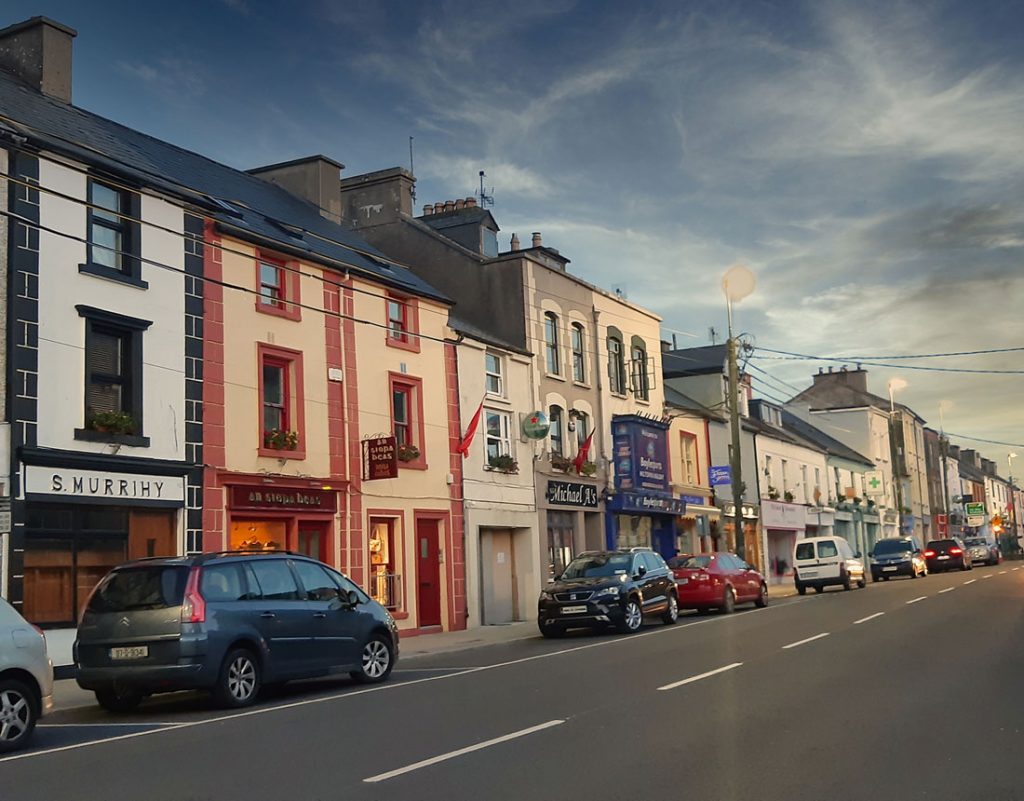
{"points": [[865, 159]]}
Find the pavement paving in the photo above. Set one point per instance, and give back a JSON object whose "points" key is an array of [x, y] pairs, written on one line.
{"points": [[889, 692]]}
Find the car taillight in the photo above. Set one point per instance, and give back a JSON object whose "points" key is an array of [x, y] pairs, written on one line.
{"points": [[702, 576], [193, 607], [955, 551], [929, 553]]}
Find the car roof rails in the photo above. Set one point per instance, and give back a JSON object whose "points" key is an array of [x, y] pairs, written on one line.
{"points": [[640, 548], [247, 552]]}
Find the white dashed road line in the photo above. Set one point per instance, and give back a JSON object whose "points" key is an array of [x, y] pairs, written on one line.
{"points": [[869, 617], [809, 639], [460, 752], [948, 589], [988, 575], [1002, 572], [915, 600], [700, 676], [971, 581]]}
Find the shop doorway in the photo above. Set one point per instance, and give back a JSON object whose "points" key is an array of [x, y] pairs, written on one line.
{"points": [[312, 540], [428, 572], [498, 576], [152, 533]]}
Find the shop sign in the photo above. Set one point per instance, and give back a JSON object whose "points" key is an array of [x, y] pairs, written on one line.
{"points": [[569, 493], [99, 484], [874, 482], [380, 458], [644, 502], [775, 514], [695, 500], [975, 509], [749, 512], [720, 475], [283, 499], [640, 454]]}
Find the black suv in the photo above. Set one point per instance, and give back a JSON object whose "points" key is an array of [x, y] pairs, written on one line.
{"points": [[602, 588], [229, 623]]}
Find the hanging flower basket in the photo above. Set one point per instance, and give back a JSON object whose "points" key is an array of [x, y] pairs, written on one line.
{"points": [[280, 440], [789, 497], [408, 453], [588, 469], [563, 463]]}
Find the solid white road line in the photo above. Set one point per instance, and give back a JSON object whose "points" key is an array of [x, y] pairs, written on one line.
{"points": [[869, 617], [700, 676], [915, 600], [460, 752], [969, 582], [809, 639], [139, 725], [948, 589]]}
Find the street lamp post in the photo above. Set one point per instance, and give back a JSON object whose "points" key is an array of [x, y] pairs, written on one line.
{"points": [[1013, 500], [737, 283], [894, 385]]}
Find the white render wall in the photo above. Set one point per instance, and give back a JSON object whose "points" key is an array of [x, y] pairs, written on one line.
{"points": [[62, 330], [773, 452]]}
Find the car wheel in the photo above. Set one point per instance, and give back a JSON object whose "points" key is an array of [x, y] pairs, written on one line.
{"points": [[964, 566], [632, 617], [672, 613], [18, 714], [847, 584], [762, 597], [552, 632], [801, 589], [729, 601], [862, 582], [239, 680], [119, 698], [376, 661]]}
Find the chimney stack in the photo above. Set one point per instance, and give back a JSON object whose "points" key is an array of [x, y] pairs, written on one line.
{"points": [[449, 205], [470, 202], [459, 204], [38, 51], [536, 239], [515, 242], [428, 209]]}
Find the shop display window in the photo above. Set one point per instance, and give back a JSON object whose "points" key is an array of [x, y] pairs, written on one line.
{"points": [[258, 535], [385, 583]]}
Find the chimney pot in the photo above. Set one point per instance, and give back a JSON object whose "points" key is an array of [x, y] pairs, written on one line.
{"points": [[536, 239], [830, 368], [449, 205], [459, 204], [38, 51], [470, 202], [428, 209], [515, 242], [438, 208]]}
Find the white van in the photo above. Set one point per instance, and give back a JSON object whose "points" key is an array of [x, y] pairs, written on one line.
{"points": [[821, 561]]}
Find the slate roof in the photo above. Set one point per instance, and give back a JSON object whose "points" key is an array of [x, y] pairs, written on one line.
{"points": [[679, 400], [843, 396], [479, 334], [251, 206], [694, 361], [815, 435]]}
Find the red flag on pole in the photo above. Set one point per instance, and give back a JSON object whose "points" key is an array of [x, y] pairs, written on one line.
{"points": [[467, 438], [584, 451]]}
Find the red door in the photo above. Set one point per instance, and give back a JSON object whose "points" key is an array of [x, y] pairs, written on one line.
{"points": [[428, 572]]}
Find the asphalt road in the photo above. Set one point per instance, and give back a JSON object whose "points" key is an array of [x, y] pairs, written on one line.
{"points": [[907, 689]]}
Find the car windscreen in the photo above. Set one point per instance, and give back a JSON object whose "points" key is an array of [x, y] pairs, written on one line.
{"points": [[598, 565], [805, 550], [149, 587], [691, 562], [883, 547], [976, 542]]}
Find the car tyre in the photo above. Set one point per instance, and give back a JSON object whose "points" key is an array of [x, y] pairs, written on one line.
{"points": [[239, 681], [552, 632], [847, 584], [19, 711], [801, 589], [672, 613], [729, 601], [632, 617], [376, 661], [118, 698], [762, 597], [862, 582]]}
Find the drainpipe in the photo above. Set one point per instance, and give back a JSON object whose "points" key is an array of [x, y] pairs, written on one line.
{"points": [[609, 528], [762, 535]]}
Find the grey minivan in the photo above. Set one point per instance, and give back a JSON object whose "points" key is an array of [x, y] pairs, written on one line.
{"points": [[230, 623]]}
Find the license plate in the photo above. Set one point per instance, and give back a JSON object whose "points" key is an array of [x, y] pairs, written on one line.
{"points": [[682, 581], [573, 610], [809, 574], [890, 569], [130, 652], [943, 557]]}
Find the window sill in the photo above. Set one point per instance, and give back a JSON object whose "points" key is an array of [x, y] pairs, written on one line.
{"points": [[554, 376], [622, 395], [293, 313], [498, 399], [412, 344], [399, 615], [581, 384], [643, 401], [110, 274], [88, 435], [490, 469], [282, 453]]}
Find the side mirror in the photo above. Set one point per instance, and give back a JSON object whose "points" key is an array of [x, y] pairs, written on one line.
{"points": [[352, 598], [857, 555], [641, 571]]}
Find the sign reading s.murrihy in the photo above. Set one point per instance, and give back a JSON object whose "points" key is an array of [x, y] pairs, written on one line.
{"points": [[99, 484]]}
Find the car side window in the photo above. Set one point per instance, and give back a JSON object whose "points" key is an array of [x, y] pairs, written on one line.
{"points": [[318, 584], [653, 562], [347, 585], [827, 549], [223, 583], [275, 580]]}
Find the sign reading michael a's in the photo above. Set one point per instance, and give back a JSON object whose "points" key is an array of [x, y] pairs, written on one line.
{"points": [[570, 493], [101, 485]]}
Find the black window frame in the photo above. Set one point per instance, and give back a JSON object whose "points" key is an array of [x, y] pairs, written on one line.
{"points": [[639, 378], [616, 363], [129, 257], [552, 344], [556, 433], [578, 345], [132, 329]]}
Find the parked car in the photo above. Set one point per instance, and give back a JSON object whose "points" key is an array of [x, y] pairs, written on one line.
{"points": [[897, 556], [26, 678], [717, 581], [948, 554], [820, 562], [620, 588], [228, 623], [984, 550]]}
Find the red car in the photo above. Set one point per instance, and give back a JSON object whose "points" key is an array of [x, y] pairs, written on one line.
{"points": [[717, 581]]}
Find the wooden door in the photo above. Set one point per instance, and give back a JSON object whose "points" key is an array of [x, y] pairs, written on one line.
{"points": [[152, 533], [428, 573]]}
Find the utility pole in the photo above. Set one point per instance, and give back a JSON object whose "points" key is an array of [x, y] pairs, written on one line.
{"points": [[1014, 543], [943, 448], [895, 384]]}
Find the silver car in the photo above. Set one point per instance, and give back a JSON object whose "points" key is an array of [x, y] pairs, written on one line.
{"points": [[26, 678], [983, 549]]}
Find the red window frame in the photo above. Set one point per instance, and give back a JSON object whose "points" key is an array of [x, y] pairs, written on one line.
{"points": [[413, 389], [287, 303], [406, 337], [294, 398]]}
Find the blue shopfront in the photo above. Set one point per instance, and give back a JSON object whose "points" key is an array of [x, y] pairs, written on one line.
{"points": [[642, 511]]}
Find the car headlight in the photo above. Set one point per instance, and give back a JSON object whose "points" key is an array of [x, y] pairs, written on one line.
{"points": [[546, 596], [608, 592]]}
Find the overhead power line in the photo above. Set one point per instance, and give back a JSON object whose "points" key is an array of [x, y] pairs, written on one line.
{"points": [[989, 441], [898, 356], [807, 357]]}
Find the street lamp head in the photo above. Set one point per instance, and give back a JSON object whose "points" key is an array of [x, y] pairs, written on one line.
{"points": [[738, 282], [896, 384]]}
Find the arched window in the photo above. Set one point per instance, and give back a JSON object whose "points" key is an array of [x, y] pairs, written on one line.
{"points": [[557, 438], [553, 363], [639, 374], [579, 364], [616, 363]]}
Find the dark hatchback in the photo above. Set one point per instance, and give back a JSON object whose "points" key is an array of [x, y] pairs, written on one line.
{"points": [[609, 588], [950, 554], [229, 623], [897, 556]]}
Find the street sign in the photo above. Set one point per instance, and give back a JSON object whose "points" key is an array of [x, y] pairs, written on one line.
{"points": [[873, 483], [974, 510], [975, 520], [720, 475]]}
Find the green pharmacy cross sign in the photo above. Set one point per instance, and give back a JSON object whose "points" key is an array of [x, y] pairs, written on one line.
{"points": [[874, 483]]}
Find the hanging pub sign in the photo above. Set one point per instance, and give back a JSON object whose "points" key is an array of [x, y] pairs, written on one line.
{"points": [[640, 450], [380, 458]]}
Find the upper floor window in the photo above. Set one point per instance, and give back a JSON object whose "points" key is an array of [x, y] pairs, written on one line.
{"points": [[688, 458], [407, 419], [640, 376], [616, 364], [494, 373], [582, 428], [579, 371], [278, 287], [402, 323], [498, 435], [281, 402], [113, 233], [557, 440], [551, 355]]}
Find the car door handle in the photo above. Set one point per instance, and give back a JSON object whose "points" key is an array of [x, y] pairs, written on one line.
{"points": [[268, 615], [319, 614]]}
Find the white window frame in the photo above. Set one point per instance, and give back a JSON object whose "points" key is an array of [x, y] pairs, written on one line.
{"points": [[500, 375], [504, 440]]}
